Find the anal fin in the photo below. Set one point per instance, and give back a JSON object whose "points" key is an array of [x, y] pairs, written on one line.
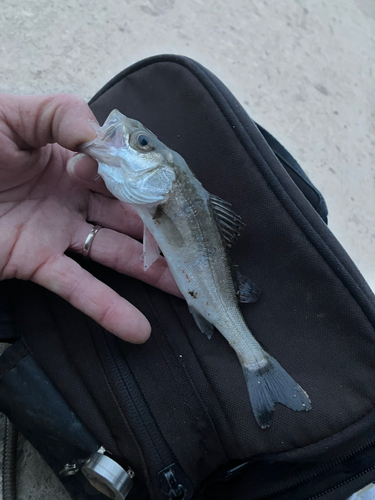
{"points": [[204, 326]]}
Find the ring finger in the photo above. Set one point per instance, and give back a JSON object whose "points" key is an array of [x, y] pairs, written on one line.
{"points": [[123, 254]]}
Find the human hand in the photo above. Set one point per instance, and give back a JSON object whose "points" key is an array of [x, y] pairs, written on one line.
{"points": [[44, 211]]}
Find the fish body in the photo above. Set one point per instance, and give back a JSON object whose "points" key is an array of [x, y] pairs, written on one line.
{"points": [[191, 228], [188, 235]]}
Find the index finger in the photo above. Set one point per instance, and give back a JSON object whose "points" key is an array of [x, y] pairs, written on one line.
{"points": [[40, 120]]}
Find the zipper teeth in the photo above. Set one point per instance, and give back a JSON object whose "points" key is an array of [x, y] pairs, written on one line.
{"points": [[141, 409], [333, 488], [321, 471]]}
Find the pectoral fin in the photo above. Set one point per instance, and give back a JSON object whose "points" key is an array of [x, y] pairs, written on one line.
{"points": [[204, 326], [170, 230], [150, 249]]}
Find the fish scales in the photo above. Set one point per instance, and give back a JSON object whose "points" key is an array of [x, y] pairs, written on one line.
{"points": [[177, 211], [200, 263]]}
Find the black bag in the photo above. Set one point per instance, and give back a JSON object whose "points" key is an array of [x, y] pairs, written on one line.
{"points": [[176, 409]]}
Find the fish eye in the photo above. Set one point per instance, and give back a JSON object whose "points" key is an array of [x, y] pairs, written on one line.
{"points": [[142, 141]]}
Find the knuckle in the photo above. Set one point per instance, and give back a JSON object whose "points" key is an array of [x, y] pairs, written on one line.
{"points": [[74, 291], [107, 314], [64, 100], [59, 105]]}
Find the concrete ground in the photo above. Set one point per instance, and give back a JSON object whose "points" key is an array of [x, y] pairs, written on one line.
{"points": [[303, 69]]}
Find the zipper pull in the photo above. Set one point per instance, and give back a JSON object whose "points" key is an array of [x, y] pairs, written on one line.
{"points": [[104, 474], [72, 469], [172, 485]]}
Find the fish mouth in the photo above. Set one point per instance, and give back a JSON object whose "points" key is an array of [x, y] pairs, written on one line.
{"points": [[102, 153], [106, 146]]}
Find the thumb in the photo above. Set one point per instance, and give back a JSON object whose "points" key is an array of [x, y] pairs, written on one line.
{"points": [[81, 167]]}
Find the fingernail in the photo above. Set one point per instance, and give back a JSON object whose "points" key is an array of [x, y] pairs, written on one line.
{"points": [[72, 162], [95, 126]]}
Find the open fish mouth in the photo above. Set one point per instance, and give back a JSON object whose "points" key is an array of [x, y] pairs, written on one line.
{"points": [[108, 144]]}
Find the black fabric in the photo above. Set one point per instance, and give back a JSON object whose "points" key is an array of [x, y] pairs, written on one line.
{"points": [[7, 331], [181, 398], [297, 174]]}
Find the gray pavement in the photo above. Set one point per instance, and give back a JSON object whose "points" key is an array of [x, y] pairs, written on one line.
{"points": [[303, 69]]}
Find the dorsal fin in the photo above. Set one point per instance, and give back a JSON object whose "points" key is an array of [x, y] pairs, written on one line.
{"points": [[230, 223]]}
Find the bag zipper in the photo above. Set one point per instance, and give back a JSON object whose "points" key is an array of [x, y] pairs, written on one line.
{"points": [[356, 476], [343, 483], [324, 469], [173, 483]]}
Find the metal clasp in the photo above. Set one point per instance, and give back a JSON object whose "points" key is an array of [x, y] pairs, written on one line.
{"points": [[104, 474]]}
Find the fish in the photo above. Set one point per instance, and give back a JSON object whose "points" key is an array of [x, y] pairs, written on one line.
{"points": [[193, 229]]}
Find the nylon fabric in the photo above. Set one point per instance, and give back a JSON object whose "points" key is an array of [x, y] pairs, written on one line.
{"points": [[304, 311], [315, 315]]}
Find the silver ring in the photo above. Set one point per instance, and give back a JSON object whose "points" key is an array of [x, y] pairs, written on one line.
{"points": [[90, 238]]}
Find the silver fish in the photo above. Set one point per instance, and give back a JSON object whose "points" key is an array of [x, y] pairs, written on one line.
{"points": [[191, 228]]}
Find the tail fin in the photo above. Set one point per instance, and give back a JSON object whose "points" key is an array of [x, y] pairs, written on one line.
{"points": [[269, 385]]}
